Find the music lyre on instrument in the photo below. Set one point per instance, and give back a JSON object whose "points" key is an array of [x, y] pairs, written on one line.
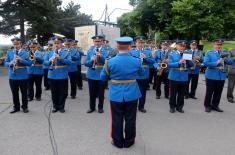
{"points": [[54, 62], [15, 62], [96, 60]]}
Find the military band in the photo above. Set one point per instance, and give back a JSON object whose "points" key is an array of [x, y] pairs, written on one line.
{"points": [[161, 57], [35, 72], [129, 72], [58, 61], [193, 71], [178, 76], [215, 61], [145, 56], [17, 59], [95, 61]]}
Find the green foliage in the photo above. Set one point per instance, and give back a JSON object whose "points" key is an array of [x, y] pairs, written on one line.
{"points": [[182, 19], [43, 18]]}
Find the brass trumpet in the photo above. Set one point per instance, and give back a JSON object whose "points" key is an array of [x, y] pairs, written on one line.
{"points": [[95, 62]]}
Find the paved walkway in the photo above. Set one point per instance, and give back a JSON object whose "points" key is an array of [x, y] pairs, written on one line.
{"points": [[78, 133]]}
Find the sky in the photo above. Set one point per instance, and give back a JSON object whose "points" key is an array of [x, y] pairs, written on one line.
{"points": [[94, 8]]}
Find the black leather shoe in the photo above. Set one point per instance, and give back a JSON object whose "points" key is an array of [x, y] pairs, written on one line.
{"points": [[30, 99], [180, 110], [38, 99], [54, 110], [167, 97], [193, 97], [14, 111], [207, 109], [127, 145], [73, 97], [186, 97], [157, 97], [62, 110], [90, 111], [80, 88], [100, 111], [231, 100], [143, 110], [25, 110], [117, 145], [47, 88], [172, 110], [217, 109]]}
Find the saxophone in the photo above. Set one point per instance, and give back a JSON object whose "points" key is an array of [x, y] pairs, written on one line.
{"points": [[163, 64]]}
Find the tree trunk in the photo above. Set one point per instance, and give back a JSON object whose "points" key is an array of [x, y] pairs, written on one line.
{"points": [[22, 35]]}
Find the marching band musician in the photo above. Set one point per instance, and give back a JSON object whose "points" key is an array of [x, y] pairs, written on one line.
{"points": [[151, 48], [79, 64], [72, 68], [58, 61], [35, 72], [145, 56], [193, 71], [45, 67], [95, 60], [215, 61], [160, 57], [123, 70], [16, 60], [178, 76]]}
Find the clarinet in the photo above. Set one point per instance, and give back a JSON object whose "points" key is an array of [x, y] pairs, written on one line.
{"points": [[52, 66], [95, 62], [14, 61]]}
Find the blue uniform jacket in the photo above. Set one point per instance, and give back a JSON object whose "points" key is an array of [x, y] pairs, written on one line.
{"points": [[94, 74], [81, 53], [210, 61], [173, 63], [196, 70], [75, 56], [123, 67], [61, 72], [20, 73], [36, 67], [146, 62], [44, 55], [159, 56]]}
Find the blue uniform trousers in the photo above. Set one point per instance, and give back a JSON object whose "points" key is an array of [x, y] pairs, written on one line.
{"points": [[193, 79], [96, 89], [79, 77], [46, 80], [177, 92], [123, 113], [214, 90], [15, 85], [163, 78], [143, 84], [73, 76], [59, 92], [37, 80]]}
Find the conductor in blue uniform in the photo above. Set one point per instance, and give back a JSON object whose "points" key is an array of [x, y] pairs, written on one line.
{"points": [[17, 59], [215, 60], [178, 76], [123, 70]]}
